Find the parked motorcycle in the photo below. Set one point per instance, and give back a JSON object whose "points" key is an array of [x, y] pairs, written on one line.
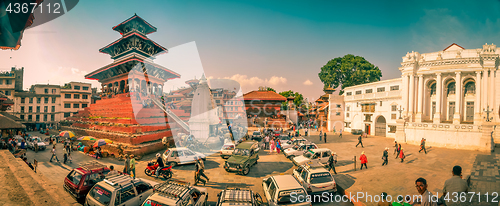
{"points": [[166, 172]]}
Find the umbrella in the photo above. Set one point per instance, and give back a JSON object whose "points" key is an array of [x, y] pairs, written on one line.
{"points": [[66, 134], [102, 142], [86, 138]]}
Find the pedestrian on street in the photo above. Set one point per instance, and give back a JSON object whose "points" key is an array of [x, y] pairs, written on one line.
{"points": [[402, 155], [360, 141], [266, 141], [324, 136], [68, 150], [332, 161], [421, 185], [422, 146], [132, 166], [202, 168], [272, 146], [364, 160], [454, 185], [278, 145], [395, 147], [385, 156], [54, 154], [127, 165], [340, 133], [320, 135], [398, 150], [306, 131], [197, 176]]}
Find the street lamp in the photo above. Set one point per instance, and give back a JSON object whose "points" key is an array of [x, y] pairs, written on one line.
{"points": [[400, 111], [488, 111]]}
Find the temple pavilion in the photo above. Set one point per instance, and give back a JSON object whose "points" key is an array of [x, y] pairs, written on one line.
{"points": [[126, 113]]}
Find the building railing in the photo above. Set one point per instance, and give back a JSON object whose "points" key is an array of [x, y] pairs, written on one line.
{"points": [[443, 126], [386, 94]]}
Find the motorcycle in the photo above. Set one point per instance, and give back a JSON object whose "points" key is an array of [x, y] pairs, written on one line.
{"points": [[166, 172]]}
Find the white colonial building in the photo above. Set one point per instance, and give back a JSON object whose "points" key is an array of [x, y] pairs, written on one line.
{"points": [[445, 97]]}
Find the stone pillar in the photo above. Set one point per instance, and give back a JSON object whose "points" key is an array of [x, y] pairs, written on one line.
{"points": [[420, 98], [400, 131], [485, 88], [486, 143], [439, 98], [458, 94], [405, 94], [411, 99], [477, 103], [492, 94]]}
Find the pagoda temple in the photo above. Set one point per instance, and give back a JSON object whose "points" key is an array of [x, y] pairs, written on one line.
{"points": [[127, 112]]}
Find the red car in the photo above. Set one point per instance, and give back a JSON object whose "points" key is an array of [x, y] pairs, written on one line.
{"points": [[80, 180]]}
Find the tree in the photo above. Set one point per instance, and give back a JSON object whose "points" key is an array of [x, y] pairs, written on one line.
{"points": [[348, 71], [298, 97], [270, 89]]}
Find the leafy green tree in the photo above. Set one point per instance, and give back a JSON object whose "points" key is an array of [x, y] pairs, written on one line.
{"points": [[298, 97], [348, 71], [271, 89]]}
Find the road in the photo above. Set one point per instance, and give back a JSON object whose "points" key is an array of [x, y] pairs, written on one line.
{"points": [[268, 165]]}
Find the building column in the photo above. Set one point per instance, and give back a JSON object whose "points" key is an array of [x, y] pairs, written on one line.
{"points": [[485, 89], [458, 94], [492, 93], [405, 94], [439, 98], [420, 98], [411, 99], [477, 104]]}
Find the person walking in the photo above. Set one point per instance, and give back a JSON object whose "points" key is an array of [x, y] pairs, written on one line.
{"points": [[398, 150], [422, 146], [360, 141], [68, 150], [332, 161], [278, 145], [385, 156], [324, 136], [202, 168], [54, 154], [266, 141], [272, 146], [320, 135], [364, 160], [127, 165], [454, 185], [305, 132], [197, 177], [395, 147], [402, 155], [132, 166], [340, 133]]}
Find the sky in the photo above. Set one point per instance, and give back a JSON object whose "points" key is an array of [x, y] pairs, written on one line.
{"points": [[279, 44]]}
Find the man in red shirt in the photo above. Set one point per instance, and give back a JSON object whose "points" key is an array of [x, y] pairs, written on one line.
{"points": [[363, 159]]}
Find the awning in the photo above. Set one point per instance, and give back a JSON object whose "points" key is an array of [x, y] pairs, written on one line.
{"points": [[7, 123]]}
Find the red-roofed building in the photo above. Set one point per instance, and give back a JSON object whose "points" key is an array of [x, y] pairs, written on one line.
{"points": [[263, 103]]}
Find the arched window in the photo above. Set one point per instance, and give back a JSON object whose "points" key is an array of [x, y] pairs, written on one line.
{"points": [[451, 88], [470, 88], [433, 89]]}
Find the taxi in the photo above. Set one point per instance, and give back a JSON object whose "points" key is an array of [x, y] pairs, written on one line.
{"points": [[315, 178]]}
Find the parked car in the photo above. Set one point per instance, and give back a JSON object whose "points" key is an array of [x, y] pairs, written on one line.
{"points": [[178, 193], [322, 154], [257, 136], [81, 179], [227, 150], [120, 190], [238, 196], [279, 190], [356, 131], [36, 140], [244, 156], [298, 150], [181, 155], [292, 142], [315, 178]]}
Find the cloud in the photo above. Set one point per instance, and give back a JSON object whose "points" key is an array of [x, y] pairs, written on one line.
{"points": [[245, 80], [308, 83]]}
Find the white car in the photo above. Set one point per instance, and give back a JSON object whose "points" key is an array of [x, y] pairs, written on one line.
{"points": [[292, 142], [36, 140], [322, 154], [181, 155], [227, 150], [177, 193], [298, 150], [119, 190], [284, 190], [315, 178]]}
